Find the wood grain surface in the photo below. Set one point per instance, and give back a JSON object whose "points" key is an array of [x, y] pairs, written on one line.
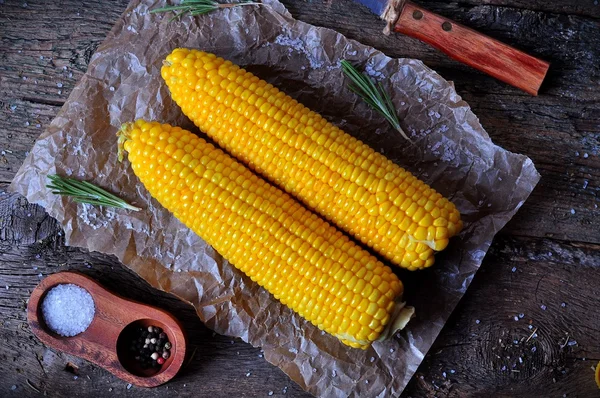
{"points": [[546, 257]]}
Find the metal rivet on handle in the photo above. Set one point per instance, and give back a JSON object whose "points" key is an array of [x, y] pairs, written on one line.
{"points": [[447, 26], [417, 14]]}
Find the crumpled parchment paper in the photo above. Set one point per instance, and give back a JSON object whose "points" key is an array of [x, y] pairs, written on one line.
{"points": [[453, 153]]}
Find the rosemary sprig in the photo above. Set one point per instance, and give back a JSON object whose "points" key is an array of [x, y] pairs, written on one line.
{"points": [[85, 192], [374, 95], [199, 7]]}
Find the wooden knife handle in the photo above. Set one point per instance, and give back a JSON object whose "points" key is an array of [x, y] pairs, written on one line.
{"points": [[472, 48]]}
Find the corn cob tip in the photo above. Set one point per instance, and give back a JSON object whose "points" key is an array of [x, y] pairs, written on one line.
{"points": [[123, 136]]}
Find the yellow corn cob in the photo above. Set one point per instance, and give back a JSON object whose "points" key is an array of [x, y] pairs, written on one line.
{"points": [[339, 177], [303, 261]]}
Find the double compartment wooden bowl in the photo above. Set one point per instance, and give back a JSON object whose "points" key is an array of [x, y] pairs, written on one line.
{"points": [[107, 340]]}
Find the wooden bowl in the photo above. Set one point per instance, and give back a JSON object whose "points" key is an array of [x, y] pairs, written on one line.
{"points": [[105, 342]]}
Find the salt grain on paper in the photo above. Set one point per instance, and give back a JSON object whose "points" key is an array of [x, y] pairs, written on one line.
{"points": [[68, 309], [298, 46], [514, 269], [128, 386], [543, 307], [270, 393], [477, 321]]}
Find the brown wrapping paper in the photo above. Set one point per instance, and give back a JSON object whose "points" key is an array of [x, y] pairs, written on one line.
{"points": [[453, 153]]}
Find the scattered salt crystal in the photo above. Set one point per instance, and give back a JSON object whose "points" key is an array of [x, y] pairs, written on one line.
{"points": [[543, 307], [13, 387], [270, 393], [293, 350], [26, 123], [514, 269], [237, 353], [585, 184], [499, 178], [402, 103], [533, 349], [515, 341], [34, 268], [68, 309], [232, 341], [248, 374], [260, 355], [65, 67], [444, 374], [585, 155], [40, 275], [520, 360], [503, 368], [13, 107], [24, 77], [572, 211], [314, 370], [276, 334], [530, 327], [392, 350], [75, 377], [38, 125], [128, 386], [70, 74], [521, 315], [563, 305], [477, 321], [572, 343], [516, 318], [110, 389], [59, 92], [333, 373], [372, 359], [452, 371], [111, 88], [285, 390], [420, 99], [366, 381], [59, 85], [576, 153], [6, 287]]}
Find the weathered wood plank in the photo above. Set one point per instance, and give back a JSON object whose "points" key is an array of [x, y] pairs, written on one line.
{"points": [[551, 289], [552, 128], [31, 247], [546, 273]]}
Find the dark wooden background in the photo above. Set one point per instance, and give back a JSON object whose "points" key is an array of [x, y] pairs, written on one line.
{"points": [[543, 268]]}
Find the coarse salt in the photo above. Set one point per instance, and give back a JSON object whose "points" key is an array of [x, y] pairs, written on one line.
{"points": [[68, 309]]}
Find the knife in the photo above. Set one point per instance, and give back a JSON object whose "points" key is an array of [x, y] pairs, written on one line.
{"points": [[465, 45]]}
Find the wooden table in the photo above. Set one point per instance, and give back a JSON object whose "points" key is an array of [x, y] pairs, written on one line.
{"points": [[543, 269]]}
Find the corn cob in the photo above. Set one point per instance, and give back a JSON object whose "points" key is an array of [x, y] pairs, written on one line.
{"points": [[303, 261], [344, 180]]}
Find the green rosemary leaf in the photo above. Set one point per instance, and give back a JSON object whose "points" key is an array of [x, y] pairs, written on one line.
{"points": [[200, 7], [374, 95], [85, 192]]}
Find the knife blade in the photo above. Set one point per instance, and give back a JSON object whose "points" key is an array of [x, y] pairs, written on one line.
{"points": [[463, 44]]}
